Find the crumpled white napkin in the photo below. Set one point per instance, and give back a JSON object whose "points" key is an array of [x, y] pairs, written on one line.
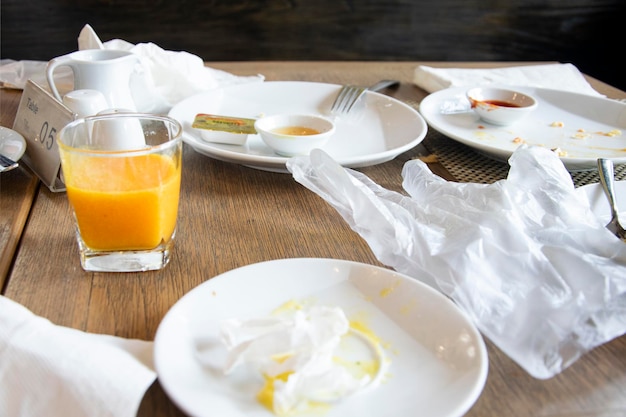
{"points": [[307, 343], [564, 77], [164, 78], [14, 74], [524, 257], [56, 371]]}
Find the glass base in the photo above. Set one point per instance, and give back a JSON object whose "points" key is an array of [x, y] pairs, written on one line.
{"points": [[125, 261]]}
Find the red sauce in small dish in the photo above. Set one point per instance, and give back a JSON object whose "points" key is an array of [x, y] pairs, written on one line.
{"points": [[500, 103]]}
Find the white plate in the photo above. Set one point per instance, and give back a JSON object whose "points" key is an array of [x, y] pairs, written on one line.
{"points": [[12, 144], [575, 111], [381, 130], [438, 358], [599, 203]]}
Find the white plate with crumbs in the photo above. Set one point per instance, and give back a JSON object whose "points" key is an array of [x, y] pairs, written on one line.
{"points": [[435, 358], [598, 202], [580, 128], [377, 131]]}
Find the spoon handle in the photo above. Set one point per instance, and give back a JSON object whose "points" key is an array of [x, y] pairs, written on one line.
{"points": [[605, 169], [7, 163]]}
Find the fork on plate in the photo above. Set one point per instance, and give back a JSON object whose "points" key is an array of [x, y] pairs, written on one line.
{"points": [[350, 94]]}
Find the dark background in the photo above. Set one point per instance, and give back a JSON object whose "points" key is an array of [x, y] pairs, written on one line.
{"points": [[587, 33]]}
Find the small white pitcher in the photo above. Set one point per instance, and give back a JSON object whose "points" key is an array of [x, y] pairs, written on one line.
{"points": [[107, 71]]}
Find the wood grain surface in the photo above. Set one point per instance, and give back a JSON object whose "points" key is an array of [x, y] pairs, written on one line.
{"points": [[231, 216]]}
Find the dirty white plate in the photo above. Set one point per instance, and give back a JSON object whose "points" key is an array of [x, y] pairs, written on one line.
{"points": [[582, 138], [438, 361], [12, 144], [600, 204], [379, 129]]}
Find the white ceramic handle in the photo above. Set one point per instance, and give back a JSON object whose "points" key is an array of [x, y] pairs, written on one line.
{"points": [[50, 67]]}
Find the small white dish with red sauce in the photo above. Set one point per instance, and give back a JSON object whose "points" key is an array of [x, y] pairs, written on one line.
{"points": [[500, 106]]}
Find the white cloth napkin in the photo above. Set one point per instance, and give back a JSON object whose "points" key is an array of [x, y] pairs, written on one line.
{"points": [[54, 371], [564, 77], [525, 258], [163, 80]]}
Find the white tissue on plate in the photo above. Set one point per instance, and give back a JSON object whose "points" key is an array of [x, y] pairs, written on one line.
{"points": [[564, 77], [524, 257], [163, 79], [303, 345], [56, 371]]}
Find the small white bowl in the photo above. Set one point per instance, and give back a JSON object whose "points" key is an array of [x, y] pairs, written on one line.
{"points": [[500, 106], [294, 134]]}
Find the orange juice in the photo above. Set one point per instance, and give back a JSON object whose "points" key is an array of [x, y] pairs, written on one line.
{"points": [[133, 209]]}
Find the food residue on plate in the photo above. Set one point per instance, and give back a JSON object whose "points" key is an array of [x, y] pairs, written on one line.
{"points": [[581, 134], [388, 290], [428, 159], [309, 356], [612, 133]]}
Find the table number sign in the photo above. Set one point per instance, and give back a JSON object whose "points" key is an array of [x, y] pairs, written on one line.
{"points": [[39, 119]]}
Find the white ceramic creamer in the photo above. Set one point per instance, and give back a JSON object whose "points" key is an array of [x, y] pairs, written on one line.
{"points": [[118, 133], [85, 102], [107, 71]]}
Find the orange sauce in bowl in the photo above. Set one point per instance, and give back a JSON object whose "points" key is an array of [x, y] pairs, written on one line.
{"points": [[296, 131]]}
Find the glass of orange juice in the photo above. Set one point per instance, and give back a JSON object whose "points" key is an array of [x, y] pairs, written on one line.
{"points": [[122, 173]]}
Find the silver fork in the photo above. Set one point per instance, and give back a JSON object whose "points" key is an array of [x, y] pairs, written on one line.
{"points": [[605, 169], [350, 94]]}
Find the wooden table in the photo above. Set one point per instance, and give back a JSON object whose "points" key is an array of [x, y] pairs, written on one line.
{"points": [[231, 216]]}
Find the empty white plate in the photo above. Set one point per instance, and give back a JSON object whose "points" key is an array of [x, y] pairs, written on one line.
{"points": [[376, 131]]}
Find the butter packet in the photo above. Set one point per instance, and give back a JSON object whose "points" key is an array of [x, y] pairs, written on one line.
{"points": [[224, 129]]}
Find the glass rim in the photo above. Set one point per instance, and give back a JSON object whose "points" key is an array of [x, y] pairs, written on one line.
{"points": [[174, 140]]}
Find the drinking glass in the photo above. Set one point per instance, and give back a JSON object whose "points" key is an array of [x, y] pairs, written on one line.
{"points": [[122, 172]]}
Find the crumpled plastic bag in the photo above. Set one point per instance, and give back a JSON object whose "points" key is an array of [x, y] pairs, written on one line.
{"points": [[15, 74], [524, 258], [168, 77]]}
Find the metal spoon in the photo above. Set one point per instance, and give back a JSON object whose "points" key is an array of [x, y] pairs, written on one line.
{"points": [[605, 169], [7, 163]]}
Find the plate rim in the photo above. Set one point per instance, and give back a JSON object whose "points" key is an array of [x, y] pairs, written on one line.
{"points": [[600, 208], [571, 163], [278, 163], [18, 136], [479, 374]]}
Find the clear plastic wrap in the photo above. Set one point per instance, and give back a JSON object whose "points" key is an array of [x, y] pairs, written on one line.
{"points": [[525, 258]]}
